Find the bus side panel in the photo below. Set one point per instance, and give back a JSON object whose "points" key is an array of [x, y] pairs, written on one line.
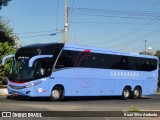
{"points": [[78, 81], [107, 84], [41, 89], [151, 87], [150, 84], [101, 82], [124, 78]]}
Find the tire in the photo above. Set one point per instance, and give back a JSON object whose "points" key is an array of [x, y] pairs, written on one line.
{"points": [[57, 94], [126, 93], [136, 94]]}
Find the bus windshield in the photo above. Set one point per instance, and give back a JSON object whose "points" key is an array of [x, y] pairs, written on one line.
{"points": [[20, 71], [42, 67]]}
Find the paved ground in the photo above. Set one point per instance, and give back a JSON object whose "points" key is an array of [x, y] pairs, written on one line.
{"points": [[13, 103]]}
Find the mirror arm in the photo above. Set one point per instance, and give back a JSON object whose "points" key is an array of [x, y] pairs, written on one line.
{"points": [[31, 61], [6, 57]]}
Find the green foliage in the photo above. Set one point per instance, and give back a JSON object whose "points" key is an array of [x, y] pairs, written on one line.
{"points": [[5, 49], [133, 109], [157, 53], [3, 3], [6, 32], [145, 53], [7, 46]]}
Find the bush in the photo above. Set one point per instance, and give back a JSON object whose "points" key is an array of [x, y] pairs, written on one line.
{"points": [[0, 83], [5, 49]]}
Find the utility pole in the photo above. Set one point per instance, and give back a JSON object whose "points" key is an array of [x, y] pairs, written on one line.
{"points": [[145, 47], [65, 21]]}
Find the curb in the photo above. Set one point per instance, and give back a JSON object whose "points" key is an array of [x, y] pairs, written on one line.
{"points": [[3, 91]]}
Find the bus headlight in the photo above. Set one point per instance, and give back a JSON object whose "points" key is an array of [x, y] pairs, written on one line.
{"points": [[31, 85]]}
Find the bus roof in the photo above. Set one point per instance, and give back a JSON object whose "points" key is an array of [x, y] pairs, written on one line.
{"points": [[47, 49], [42, 46], [103, 50]]}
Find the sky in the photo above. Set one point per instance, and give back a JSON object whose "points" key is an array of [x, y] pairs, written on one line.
{"points": [[121, 25]]}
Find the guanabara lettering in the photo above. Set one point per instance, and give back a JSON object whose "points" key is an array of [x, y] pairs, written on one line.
{"points": [[124, 74]]}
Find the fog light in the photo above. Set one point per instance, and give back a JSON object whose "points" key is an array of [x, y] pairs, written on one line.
{"points": [[28, 92]]}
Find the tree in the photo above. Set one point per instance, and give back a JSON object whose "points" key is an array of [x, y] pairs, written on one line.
{"points": [[8, 45], [5, 49], [145, 53], [3, 3], [158, 53], [6, 33]]}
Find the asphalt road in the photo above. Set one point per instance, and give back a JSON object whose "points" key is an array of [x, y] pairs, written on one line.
{"points": [[14, 103]]}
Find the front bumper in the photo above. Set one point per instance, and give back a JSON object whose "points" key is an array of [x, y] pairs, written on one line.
{"points": [[21, 92]]}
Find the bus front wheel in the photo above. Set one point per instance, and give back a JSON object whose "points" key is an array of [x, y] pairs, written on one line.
{"points": [[57, 94], [126, 93]]}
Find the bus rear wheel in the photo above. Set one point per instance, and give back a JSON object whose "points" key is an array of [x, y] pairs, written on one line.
{"points": [[57, 94], [136, 94], [126, 93]]}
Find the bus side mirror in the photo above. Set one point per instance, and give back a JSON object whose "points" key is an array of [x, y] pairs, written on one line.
{"points": [[5, 80], [33, 59], [6, 57]]}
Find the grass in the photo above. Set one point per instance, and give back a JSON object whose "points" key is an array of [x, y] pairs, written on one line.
{"points": [[133, 109], [158, 92]]}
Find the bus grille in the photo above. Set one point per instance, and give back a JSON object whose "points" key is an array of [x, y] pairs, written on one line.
{"points": [[16, 87]]}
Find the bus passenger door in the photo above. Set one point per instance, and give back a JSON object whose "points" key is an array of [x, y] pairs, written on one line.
{"points": [[41, 73]]}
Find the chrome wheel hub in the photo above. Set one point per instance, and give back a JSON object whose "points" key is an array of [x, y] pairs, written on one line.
{"points": [[55, 94]]}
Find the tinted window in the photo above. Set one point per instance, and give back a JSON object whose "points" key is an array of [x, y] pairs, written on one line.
{"points": [[65, 59], [74, 59], [142, 64], [43, 68], [104, 61]]}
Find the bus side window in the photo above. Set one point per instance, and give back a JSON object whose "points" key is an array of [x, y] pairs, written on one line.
{"points": [[60, 62], [49, 66], [85, 62], [65, 60], [40, 69]]}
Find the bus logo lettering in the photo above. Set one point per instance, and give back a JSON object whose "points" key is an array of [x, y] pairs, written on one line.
{"points": [[124, 74]]}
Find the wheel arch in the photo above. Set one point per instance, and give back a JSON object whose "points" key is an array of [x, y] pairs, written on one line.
{"points": [[59, 85], [138, 87], [127, 86]]}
